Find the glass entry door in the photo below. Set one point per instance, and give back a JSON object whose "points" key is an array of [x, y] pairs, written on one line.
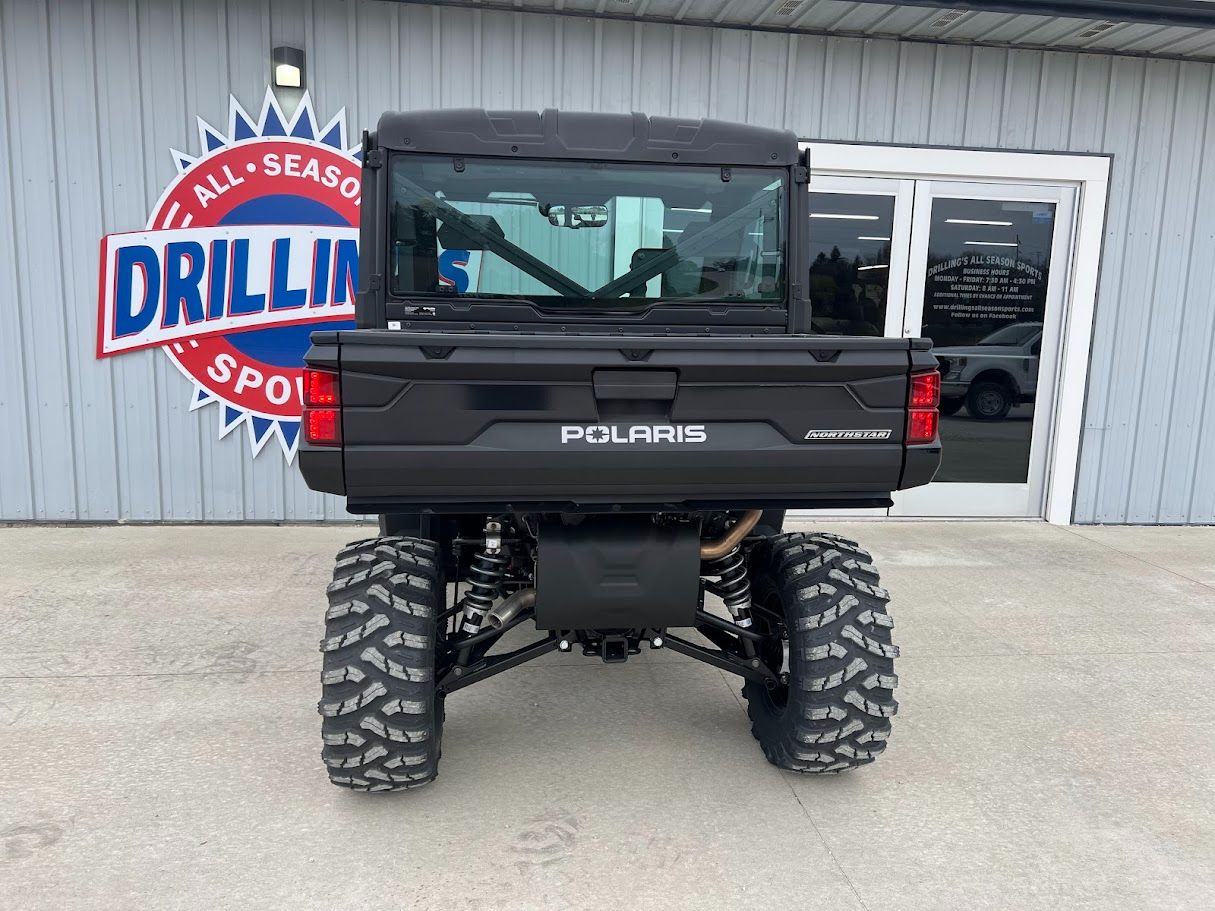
{"points": [[988, 273], [981, 269], [859, 231]]}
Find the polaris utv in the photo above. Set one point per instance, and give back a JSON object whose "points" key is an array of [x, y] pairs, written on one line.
{"points": [[583, 389]]}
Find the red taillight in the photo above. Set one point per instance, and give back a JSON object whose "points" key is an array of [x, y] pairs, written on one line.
{"points": [[320, 387], [322, 417], [923, 421], [925, 390], [322, 426], [922, 426]]}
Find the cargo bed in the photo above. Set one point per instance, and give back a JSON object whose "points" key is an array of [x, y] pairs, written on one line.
{"points": [[479, 422]]}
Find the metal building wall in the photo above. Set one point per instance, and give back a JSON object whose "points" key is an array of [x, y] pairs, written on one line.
{"points": [[95, 93]]}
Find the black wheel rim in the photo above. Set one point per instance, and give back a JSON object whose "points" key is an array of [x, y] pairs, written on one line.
{"points": [[990, 401]]}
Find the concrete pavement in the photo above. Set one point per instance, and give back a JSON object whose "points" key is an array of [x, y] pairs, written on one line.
{"points": [[159, 745]]}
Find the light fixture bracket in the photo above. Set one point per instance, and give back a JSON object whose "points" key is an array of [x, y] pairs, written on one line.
{"points": [[287, 67]]}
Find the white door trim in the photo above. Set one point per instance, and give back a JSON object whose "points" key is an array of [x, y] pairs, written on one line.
{"points": [[1089, 174]]}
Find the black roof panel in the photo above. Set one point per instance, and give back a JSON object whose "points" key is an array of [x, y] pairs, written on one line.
{"points": [[575, 134]]}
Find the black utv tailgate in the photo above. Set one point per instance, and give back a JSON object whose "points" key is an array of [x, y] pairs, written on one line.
{"points": [[479, 421]]}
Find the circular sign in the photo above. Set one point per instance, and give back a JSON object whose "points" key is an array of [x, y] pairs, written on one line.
{"points": [[272, 209]]}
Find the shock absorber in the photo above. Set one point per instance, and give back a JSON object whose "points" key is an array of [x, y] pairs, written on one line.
{"points": [[485, 575], [733, 585]]}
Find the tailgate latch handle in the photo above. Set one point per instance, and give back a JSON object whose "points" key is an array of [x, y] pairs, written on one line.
{"points": [[647, 385]]}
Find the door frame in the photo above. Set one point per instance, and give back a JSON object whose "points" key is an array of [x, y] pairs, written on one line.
{"points": [[1000, 497], [1089, 175]]}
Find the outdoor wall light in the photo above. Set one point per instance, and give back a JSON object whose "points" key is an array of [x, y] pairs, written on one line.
{"points": [[288, 65]]}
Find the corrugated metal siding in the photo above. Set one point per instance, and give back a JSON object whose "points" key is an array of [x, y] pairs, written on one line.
{"points": [[94, 94]]}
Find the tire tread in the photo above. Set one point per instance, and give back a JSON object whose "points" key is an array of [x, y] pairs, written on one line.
{"points": [[840, 698], [381, 717]]}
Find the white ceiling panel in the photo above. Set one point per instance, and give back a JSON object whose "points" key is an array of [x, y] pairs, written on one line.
{"points": [[956, 25]]}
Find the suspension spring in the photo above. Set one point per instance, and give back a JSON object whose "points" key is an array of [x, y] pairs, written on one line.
{"points": [[733, 585], [485, 575]]}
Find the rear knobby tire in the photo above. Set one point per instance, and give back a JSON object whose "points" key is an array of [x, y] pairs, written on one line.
{"points": [[834, 711], [382, 719]]}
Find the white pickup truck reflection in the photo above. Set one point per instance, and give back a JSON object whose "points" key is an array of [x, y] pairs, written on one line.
{"points": [[993, 375]]}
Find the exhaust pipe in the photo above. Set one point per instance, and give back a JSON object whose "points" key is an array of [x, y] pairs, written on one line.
{"points": [[714, 550], [504, 613]]}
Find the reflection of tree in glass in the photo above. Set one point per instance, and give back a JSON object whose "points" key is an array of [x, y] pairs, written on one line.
{"points": [[841, 301]]}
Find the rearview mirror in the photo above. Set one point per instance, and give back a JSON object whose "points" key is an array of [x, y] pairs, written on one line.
{"points": [[577, 216]]}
